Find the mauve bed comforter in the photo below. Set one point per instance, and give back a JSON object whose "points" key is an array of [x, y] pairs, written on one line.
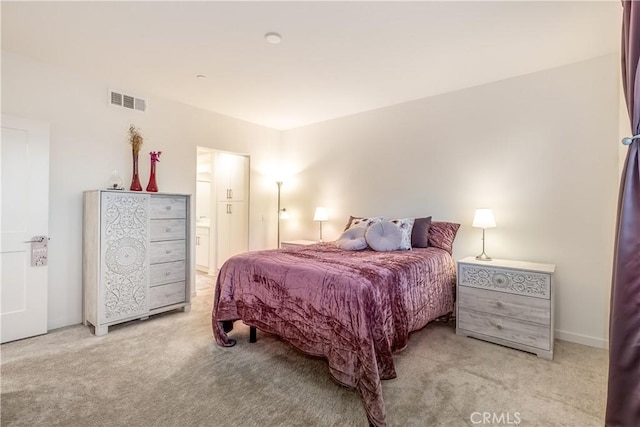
{"points": [[353, 307]]}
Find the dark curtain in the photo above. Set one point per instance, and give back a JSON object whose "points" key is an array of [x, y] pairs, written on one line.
{"points": [[623, 399]]}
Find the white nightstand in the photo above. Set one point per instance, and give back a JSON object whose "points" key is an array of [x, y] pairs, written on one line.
{"points": [[291, 243], [507, 302]]}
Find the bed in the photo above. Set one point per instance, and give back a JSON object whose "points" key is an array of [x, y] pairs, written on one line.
{"points": [[354, 308]]}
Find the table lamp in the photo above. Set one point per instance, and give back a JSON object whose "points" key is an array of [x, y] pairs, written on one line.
{"points": [[320, 216], [483, 219]]}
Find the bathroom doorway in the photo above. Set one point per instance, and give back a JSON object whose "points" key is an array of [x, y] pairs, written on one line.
{"points": [[222, 213]]}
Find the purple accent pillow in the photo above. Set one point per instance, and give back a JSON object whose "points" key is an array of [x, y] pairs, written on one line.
{"points": [[420, 232], [442, 235]]}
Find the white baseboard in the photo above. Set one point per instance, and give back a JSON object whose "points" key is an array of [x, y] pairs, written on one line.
{"points": [[582, 339]]}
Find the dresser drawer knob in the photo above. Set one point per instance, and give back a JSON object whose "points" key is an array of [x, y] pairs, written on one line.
{"points": [[168, 273], [500, 304], [168, 208], [168, 229], [167, 251], [499, 327]]}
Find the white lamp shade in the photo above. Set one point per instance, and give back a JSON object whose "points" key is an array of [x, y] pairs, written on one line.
{"points": [[321, 214], [484, 219]]}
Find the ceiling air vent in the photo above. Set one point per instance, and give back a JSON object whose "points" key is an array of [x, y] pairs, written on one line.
{"points": [[127, 101]]}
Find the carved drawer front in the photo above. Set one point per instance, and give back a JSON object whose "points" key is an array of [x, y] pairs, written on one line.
{"points": [[172, 250], [505, 280], [123, 257], [516, 306], [166, 273], [168, 229], [162, 207], [505, 328], [172, 293]]}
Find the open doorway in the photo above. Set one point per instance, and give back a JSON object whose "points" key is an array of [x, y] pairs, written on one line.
{"points": [[222, 209]]}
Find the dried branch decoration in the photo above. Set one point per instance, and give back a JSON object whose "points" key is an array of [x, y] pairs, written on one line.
{"points": [[135, 139]]}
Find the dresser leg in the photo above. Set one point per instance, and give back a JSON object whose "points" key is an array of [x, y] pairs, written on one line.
{"points": [[186, 308], [101, 330], [548, 355]]}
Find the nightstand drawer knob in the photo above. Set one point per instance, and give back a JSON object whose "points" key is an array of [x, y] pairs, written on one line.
{"points": [[500, 280], [499, 304], [499, 327]]}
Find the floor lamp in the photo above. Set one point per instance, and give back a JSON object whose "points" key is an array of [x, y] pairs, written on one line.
{"points": [[282, 212], [279, 183]]}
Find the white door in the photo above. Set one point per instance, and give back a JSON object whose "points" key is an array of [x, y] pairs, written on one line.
{"points": [[223, 232], [202, 248], [24, 212], [238, 243], [238, 176]]}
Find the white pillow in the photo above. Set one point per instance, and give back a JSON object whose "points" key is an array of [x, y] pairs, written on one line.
{"points": [[365, 222], [406, 227], [384, 236], [352, 240]]}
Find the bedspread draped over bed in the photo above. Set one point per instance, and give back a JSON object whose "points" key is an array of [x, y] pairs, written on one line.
{"points": [[353, 307]]}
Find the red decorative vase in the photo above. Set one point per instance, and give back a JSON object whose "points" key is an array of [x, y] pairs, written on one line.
{"points": [[135, 181], [152, 186]]}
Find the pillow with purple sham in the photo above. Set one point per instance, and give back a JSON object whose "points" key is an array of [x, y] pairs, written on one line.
{"points": [[420, 232], [351, 219], [442, 234]]}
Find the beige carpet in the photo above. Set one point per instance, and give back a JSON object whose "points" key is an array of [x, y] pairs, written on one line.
{"points": [[167, 371]]}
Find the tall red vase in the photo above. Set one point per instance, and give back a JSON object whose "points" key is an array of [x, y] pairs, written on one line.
{"points": [[153, 186], [135, 181]]}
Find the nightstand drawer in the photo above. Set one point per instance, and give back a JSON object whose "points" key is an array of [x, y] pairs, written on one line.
{"points": [[515, 306], [505, 328], [513, 281]]}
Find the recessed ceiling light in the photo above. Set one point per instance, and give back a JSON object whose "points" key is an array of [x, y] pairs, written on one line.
{"points": [[273, 38], [201, 77]]}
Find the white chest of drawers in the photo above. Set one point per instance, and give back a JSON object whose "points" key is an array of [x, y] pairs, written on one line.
{"points": [[135, 256], [507, 302]]}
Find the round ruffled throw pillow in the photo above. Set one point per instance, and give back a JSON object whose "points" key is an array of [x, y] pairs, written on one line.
{"points": [[352, 239], [384, 236]]}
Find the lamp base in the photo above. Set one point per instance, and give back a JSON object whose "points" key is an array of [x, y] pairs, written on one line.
{"points": [[483, 257]]}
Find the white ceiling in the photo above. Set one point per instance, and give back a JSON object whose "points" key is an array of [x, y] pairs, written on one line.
{"points": [[336, 58]]}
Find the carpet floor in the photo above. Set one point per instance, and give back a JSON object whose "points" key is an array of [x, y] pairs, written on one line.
{"points": [[168, 371]]}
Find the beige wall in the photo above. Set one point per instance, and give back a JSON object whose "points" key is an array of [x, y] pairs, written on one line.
{"points": [[89, 140], [541, 150]]}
